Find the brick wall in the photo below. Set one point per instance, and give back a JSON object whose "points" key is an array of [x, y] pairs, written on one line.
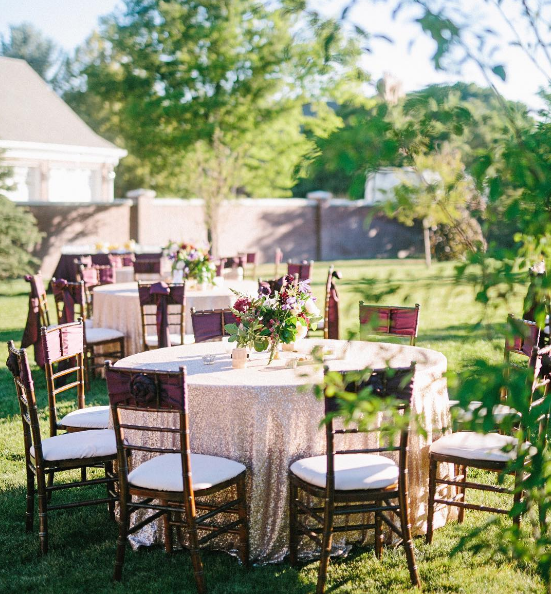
{"points": [[303, 229]]}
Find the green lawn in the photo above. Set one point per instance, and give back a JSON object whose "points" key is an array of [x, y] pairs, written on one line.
{"points": [[82, 542]]}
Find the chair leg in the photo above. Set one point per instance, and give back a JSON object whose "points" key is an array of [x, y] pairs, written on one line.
{"points": [[167, 530], [432, 494], [42, 513], [378, 536], [293, 525], [121, 540], [462, 491], [29, 516], [50, 483], [326, 546], [110, 490], [407, 540], [243, 516], [195, 556]]}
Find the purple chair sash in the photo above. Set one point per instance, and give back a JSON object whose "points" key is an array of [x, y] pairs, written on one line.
{"points": [[210, 325], [70, 294], [161, 295], [402, 322], [64, 341], [146, 390], [31, 334]]}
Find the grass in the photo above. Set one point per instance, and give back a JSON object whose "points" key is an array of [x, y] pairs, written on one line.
{"points": [[82, 542]]}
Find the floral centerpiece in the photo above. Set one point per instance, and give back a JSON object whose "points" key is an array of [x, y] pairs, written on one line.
{"points": [[190, 261], [274, 317]]}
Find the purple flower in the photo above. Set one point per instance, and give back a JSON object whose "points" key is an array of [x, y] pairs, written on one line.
{"points": [[193, 255], [264, 289], [304, 286]]}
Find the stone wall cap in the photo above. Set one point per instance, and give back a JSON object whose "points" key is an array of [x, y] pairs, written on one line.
{"points": [[141, 193]]}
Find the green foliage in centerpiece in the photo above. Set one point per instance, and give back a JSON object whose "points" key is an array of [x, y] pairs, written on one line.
{"points": [[274, 316], [194, 262]]}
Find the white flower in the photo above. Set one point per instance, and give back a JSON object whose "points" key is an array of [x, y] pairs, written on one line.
{"points": [[180, 265], [301, 330], [311, 307]]}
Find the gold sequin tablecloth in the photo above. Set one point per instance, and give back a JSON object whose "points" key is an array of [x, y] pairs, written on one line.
{"points": [[117, 306], [260, 417]]}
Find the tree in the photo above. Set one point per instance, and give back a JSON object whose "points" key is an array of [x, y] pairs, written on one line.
{"points": [[442, 196], [18, 234], [514, 172], [172, 78], [375, 134], [41, 53]]}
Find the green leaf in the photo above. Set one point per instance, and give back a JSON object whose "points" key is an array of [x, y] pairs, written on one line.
{"points": [[499, 70]]}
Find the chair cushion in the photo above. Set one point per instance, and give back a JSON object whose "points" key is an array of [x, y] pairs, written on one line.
{"points": [[88, 324], [79, 445], [164, 473], [475, 446], [352, 471], [153, 340], [91, 417], [94, 335]]}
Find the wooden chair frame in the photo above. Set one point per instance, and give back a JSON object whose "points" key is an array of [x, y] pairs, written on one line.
{"points": [[249, 263], [42, 300], [389, 309], [148, 262], [178, 509], [43, 471], [90, 355], [196, 313], [301, 266], [176, 316], [78, 382], [380, 502], [462, 465]]}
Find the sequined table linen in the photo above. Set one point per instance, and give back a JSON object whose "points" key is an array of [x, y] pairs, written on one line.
{"points": [[266, 417]]}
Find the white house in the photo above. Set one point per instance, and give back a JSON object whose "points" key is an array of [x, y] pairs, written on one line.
{"points": [[54, 155], [380, 184]]}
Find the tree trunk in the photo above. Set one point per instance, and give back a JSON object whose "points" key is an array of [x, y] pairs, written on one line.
{"points": [[426, 240]]}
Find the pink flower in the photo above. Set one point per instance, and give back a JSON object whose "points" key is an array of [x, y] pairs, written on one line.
{"points": [[242, 304]]}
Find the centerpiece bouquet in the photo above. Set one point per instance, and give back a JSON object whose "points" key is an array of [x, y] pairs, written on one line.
{"points": [[192, 261], [274, 317]]}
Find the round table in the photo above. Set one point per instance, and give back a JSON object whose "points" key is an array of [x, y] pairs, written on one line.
{"points": [[261, 417], [118, 306]]}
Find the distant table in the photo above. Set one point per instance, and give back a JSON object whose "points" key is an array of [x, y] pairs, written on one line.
{"points": [[66, 266], [266, 417], [118, 306]]}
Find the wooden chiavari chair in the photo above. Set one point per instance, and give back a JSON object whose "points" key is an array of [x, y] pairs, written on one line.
{"points": [[46, 457], [493, 452], [150, 306], [355, 481], [249, 262], [71, 304], [209, 324], [64, 360], [302, 271], [175, 477], [390, 320], [330, 324], [147, 269]]}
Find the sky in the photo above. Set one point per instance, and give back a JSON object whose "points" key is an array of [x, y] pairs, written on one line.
{"points": [[69, 22]]}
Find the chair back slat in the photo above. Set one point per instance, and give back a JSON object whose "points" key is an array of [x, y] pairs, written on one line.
{"points": [[392, 320], [209, 324]]}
